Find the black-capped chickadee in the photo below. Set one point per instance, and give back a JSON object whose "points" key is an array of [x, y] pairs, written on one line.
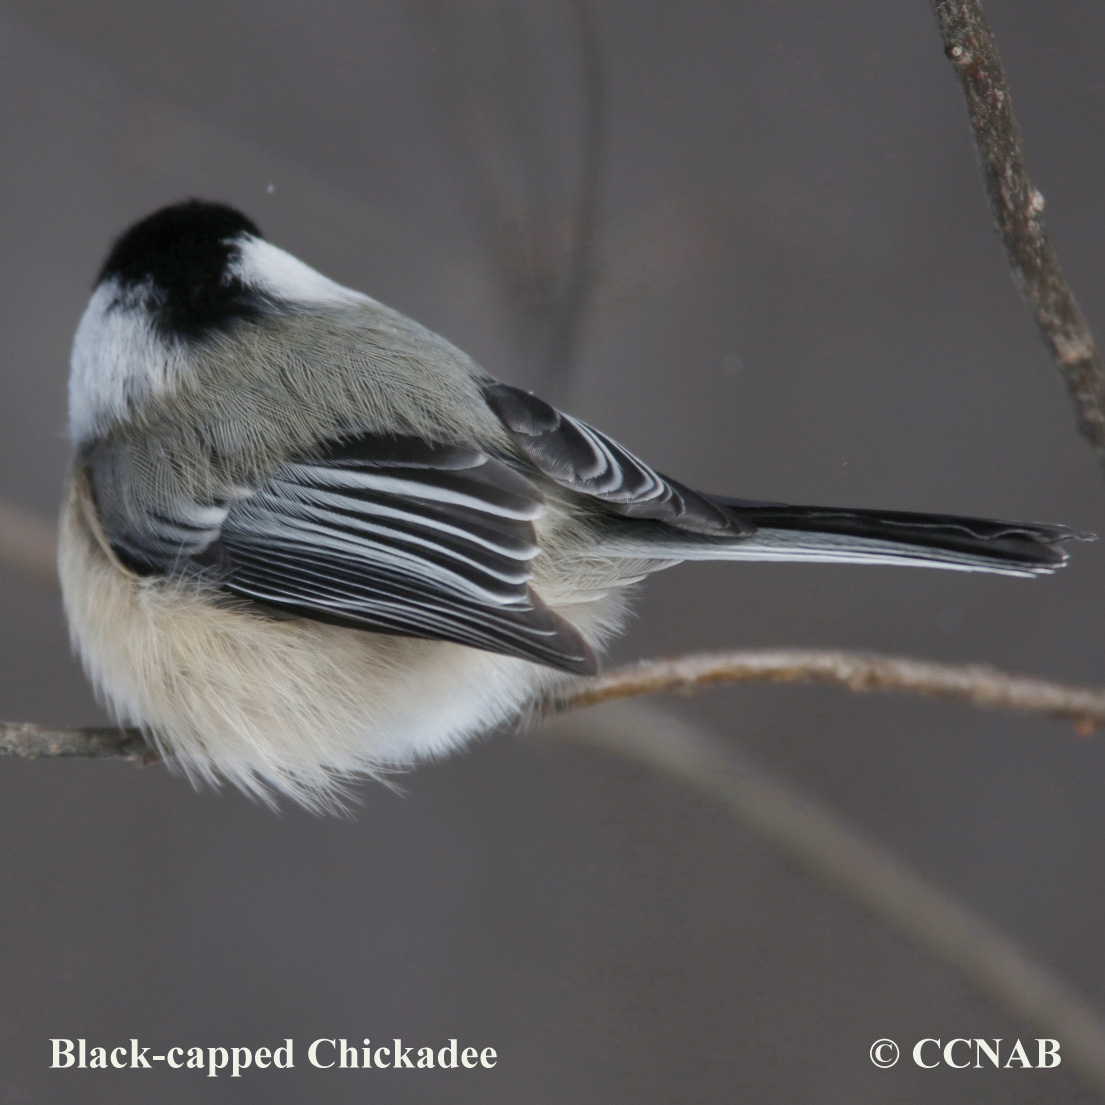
{"points": [[307, 539]]}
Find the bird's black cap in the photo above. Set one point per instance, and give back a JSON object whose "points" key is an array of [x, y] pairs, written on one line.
{"points": [[182, 254]]}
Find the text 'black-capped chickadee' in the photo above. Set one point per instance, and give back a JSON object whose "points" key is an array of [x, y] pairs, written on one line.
{"points": [[306, 539]]}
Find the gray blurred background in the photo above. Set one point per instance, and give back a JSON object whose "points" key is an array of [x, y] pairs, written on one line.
{"points": [[798, 297]]}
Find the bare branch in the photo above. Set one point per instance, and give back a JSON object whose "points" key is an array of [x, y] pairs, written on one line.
{"points": [[28, 545], [30, 742], [582, 264], [968, 684], [537, 209], [1017, 208], [973, 685], [856, 868]]}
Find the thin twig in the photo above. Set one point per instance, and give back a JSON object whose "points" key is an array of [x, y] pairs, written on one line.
{"points": [[28, 544], [973, 685], [856, 868], [582, 262], [31, 742], [537, 209], [1017, 208]]}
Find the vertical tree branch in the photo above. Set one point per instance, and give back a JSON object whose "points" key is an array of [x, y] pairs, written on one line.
{"points": [[538, 209], [1017, 208], [582, 261]]}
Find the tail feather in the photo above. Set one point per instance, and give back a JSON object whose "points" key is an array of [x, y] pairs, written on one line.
{"points": [[885, 536], [805, 533]]}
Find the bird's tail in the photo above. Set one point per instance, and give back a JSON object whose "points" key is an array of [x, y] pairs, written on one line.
{"points": [[829, 534]]}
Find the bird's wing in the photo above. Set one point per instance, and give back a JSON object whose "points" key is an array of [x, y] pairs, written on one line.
{"points": [[389, 534], [586, 461], [709, 527]]}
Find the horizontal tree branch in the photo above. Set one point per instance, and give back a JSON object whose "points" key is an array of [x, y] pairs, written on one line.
{"points": [[1017, 207], [34, 741], [972, 685]]}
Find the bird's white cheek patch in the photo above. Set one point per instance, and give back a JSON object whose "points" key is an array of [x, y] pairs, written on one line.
{"points": [[118, 360]]}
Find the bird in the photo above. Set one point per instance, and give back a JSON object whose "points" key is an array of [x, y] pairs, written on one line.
{"points": [[306, 540]]}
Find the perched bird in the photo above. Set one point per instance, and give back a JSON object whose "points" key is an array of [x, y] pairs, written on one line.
{"points": [[307, 539]]}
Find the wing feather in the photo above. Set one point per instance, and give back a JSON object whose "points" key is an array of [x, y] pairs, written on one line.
{"points": [[392, 535], [582, 459]]}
